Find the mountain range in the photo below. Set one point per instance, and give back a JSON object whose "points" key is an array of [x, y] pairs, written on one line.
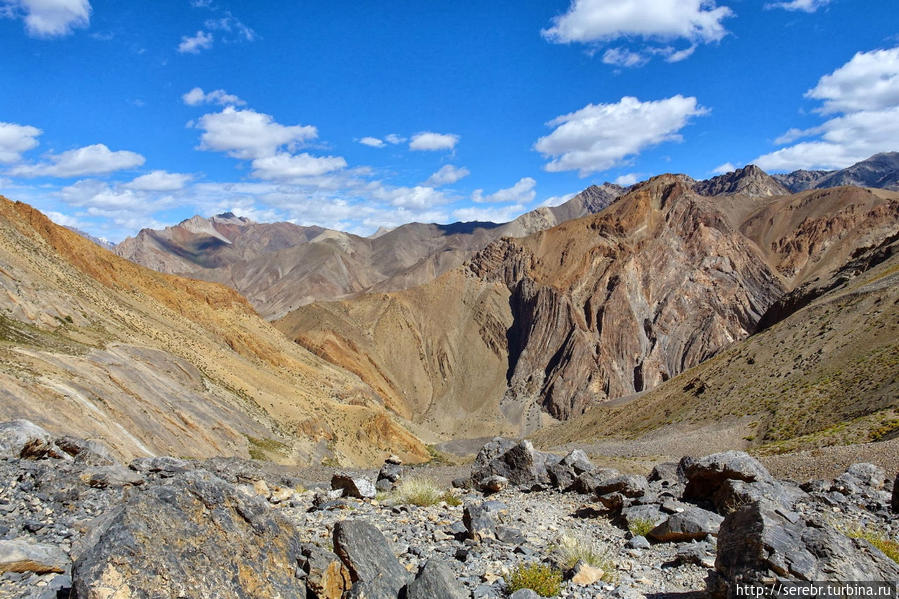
{"points": [[668, 306]]}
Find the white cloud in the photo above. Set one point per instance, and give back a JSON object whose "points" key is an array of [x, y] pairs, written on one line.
{"points": [[231, 24], [249, 134], [626, 180], [159, 181], [49, 18], [556, 200], [63, 219], [600, 136], [15, 140], [803, 5], [725, 168], [196, 96], [447, 175], [194, 44], [283, 166], [394, 139], [429, 141], [863, 94], [870, 81], [602, 21], [372, 142], [96, 159], [415, 198], [521, 193], [497, 214]]}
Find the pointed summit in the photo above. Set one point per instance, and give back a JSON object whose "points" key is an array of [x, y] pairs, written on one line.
{"points": [[749, 180]]}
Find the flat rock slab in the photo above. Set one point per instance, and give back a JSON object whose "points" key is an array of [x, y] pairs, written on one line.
{"points": [[195, 536], [353, 486], [24, 556]]}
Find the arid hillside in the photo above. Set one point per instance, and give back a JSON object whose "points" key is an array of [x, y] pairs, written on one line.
{"points": [[156, 364], [597, 308], [281, 266]]}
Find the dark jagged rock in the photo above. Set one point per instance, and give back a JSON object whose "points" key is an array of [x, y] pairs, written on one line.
{"points": [[326, 576], [90, 452], [588, 482], [706, 475], [628, 485], [353, 486], [692, 523], [565, 472], [479, 520], [435, 580], [518, 462], [164, 466], [493, 484], [388, 475], [667, 474], [195, 536], [368, 557], [895, 501], [111, 476], [762, 541], [734, 492]]}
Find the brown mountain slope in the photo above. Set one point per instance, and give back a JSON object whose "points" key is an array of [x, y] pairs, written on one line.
{"points": [[281, 266], [152, 363], [827, 374], [603, 306]]}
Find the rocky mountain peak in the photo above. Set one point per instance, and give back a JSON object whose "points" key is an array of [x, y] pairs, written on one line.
{"points": [[749, 180]]}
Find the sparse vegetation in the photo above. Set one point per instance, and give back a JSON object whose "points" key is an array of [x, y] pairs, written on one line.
{"points": [[572, 549], [439, 458], [422, 492], [540, 578], [261, 449], [640, 527], [888, 546]]}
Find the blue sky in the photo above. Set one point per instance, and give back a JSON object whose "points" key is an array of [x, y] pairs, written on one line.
{"points": [[353, 115]]}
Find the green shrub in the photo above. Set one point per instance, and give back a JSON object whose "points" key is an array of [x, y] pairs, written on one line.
{"points": [[640, 527], [889, 547], [540, 578], [422, 492]]}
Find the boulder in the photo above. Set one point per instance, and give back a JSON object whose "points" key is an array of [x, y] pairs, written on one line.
{"points": [[895, 500], [367, 555], [89, 452], [666, 473], [589, 481], [518, 462], [479, 520], [634, 514], [353, 486], [24, 439], [628, 485], [692, 523], [762, 541], [865, 475], [733, 493], [326, 576], [389, 472], [114, 476], [195, 536], [435, 580], [21, 555], [164, 466], [493, 484], [705, 475]]}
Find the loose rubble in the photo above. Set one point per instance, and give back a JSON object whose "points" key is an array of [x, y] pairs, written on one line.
{"points": [[75, 523]]}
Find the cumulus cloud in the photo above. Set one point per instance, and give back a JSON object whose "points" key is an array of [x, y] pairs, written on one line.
{"points": [[372, 142], [15, 140], [48, 18], [520, 193], [285, 167], [862, 99], [249, 134], [652, 21], [447, 175], [415, 198], [202, 40], [159, 181], [803, 5], [556, 200], [429, 141], [394, 139], [96, 159], [196, 97], [725, 168], [626, 180], [600, 136]]}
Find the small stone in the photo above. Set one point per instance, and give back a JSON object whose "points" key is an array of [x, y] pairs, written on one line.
{"points": [[493, 484], [524, 594], [638, 542], [585, 574]]}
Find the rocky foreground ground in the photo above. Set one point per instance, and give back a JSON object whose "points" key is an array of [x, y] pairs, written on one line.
{"points": [[76, 523]]}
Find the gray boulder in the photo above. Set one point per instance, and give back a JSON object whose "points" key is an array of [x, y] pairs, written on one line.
{"points": [[388, 476], [165, 466], [493, 484], [435, 580], [114, 476], [367, 555], [706, 475], [353, 486], [588, 482], [479, 520], [195, 536], [762, 541], [666, 473], [628, 485], [326, 576], [89, 452], [692, 523], [24, 439], [518, 462], [21, 555], [734, 493]]}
